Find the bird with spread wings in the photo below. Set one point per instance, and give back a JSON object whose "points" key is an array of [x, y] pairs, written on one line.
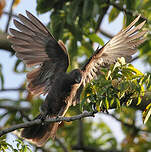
{"points": [[37, 47]]}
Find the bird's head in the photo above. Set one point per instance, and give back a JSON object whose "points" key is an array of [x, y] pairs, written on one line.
{"points": [[76, 75]]}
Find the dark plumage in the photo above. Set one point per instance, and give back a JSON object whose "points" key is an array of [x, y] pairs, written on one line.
{"points": [[35, 45]]}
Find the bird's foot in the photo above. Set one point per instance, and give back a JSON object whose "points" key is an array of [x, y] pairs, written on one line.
{"points": [[58, 116], [42, 117]]}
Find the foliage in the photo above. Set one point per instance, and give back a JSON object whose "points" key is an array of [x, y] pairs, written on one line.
{"points": [[121, 86], [21, 147]]}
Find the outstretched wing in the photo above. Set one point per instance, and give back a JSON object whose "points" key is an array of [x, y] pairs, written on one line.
{"points": [[37, 47], [124, 44]]}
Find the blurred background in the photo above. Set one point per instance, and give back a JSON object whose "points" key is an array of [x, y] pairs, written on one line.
{"points": [[83, 25]]}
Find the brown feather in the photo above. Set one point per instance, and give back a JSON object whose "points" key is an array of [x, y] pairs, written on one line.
{"points": [[124, 44], [36, 46], [37, 22]]}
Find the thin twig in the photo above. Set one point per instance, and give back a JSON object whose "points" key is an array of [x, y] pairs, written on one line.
{"points": [[80, 133], [100, 19], [127, 124], [61, 144], [126, 11], [14, 108], [5, 44], [12, 89], [10, 16], [92, 149], [39, 121], [106, 33], [135, 58]]}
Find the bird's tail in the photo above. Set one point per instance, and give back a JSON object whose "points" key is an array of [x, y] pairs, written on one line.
{"points": [[40, 133]]}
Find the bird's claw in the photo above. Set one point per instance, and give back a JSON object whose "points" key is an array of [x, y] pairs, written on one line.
{"points": [[58, 116]]}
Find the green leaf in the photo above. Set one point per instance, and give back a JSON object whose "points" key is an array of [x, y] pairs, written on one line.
{"points": [[133, 69], [106, 103], [118, 104], [113, 14], [82, 104], [147, 113], [1, 77], [95, 9], [57, 24], [88, 5], [148, 82], [16, 67], [112, 101], [128, 103], [108, 74], [139, 100], [95, 38]]}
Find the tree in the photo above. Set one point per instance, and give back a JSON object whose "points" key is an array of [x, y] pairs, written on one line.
{"points": [[78, 24]]}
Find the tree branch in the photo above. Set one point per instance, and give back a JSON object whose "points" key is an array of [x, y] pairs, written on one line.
{"points": [[126, 11], [14, 108], [80, 133], [10, 16], [61, 144], [12, 89], [135, 58], [141, 106], [39, 121], [131, 126], [92, 149], [99, 21], [106, 33], [4, 43]]}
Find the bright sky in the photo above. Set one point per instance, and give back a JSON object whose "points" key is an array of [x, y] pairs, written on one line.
{"points": [[13, 80]]}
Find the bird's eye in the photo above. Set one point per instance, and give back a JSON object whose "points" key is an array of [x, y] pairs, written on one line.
{"points": [[78, 79]]}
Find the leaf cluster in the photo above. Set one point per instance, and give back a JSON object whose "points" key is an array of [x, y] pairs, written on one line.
{"points": [[120, 85], [21, 146]]}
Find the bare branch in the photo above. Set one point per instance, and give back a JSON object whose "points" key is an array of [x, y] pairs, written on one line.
{"points": [[132, 126], [14, 108], [61, 144], [126, 11], [39, 121], [106, 33], [135, 58], [10, 16], [80, 134], [92, 149], [12, 89], [5, 44], [100, 19]]}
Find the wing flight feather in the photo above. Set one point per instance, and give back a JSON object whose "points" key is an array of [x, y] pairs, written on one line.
{"points": [[124, 44], [35, 45]]}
